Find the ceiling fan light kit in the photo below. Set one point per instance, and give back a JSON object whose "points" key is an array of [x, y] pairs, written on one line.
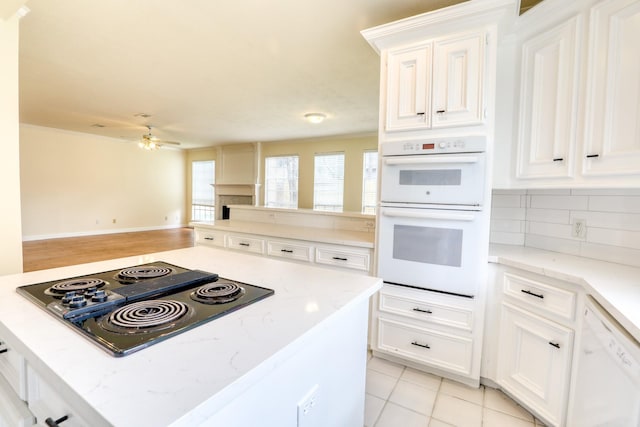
{"points": [[150, 142]]}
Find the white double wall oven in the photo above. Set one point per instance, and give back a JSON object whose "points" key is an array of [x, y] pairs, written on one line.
{"points": [[432, 226]]}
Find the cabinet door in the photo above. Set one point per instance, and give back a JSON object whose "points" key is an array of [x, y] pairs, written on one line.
{"points": [[409, 88], [13, 411], [548, 103], [458, 64], [612, 133], [534, 361]]}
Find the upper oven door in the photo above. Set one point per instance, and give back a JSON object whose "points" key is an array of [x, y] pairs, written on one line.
{"points": [[449, 179]]}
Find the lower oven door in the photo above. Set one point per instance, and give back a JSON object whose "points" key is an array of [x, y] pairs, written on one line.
{"points": [[431, 249]]}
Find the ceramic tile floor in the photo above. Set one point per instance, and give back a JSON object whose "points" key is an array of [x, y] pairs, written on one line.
{"points": [[399, 396]]}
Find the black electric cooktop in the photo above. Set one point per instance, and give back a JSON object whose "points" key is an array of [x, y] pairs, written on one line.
{"points": [[129, 309]]}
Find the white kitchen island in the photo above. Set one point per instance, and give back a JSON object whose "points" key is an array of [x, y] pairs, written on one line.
{"points": [[248, 368]]}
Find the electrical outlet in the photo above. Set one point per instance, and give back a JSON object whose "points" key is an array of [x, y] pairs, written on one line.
{"points": [[113, 221], [579, 229], [307, 409]]}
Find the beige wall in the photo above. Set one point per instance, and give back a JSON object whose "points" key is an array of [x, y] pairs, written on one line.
{"points": [[353, 149], [10, 223], [75, 183]]}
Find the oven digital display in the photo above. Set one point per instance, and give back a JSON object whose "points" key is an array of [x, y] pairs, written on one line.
{"points": [[428, 146]]}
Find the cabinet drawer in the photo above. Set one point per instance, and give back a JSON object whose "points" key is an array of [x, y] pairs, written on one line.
{"points": [[287, 250], [45, 402], [540, 296], [247, 244], [210, 238], [13, 369], [13, 411], [427, 306], [358, 260], [439, 349]]}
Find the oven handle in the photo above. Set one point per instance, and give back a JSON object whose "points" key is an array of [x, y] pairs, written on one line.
{"points": [[427, 160], [403, 213]]}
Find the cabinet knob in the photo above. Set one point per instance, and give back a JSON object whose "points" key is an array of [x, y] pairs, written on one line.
{"points": [[51, 423]]}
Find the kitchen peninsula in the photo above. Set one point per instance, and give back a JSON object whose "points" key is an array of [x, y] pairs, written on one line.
{"points": [[261, 362]]}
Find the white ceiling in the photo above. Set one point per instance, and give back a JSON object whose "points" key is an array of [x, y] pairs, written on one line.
{"points": [[208, 72]]}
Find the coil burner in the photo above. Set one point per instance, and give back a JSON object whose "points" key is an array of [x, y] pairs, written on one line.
{"points": [[79, 286], [146, 316], [135, 274], [218, 293]]}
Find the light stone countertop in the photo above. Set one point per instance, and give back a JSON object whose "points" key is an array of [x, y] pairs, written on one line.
{"points": [[196, 372], [362, 239], [616, 287]]}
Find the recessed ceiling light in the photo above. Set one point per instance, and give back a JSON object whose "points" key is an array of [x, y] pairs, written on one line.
{"points": [[315, 117], [97, 125], [143, 115]]}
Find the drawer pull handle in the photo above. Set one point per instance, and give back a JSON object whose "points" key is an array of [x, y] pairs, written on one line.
{"points": [[422, 311], [4, 350], [441, 111], [288, 251], [419, 114], [558, 159], [420, 345], [51, 423], [244, 244], [554, 344], [525, 291], [337, 258], [208, 238], [591, 156]]}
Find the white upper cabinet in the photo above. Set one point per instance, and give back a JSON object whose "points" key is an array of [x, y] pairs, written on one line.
{"points": [[409, 88], [457, 80], [612, 122], [548, 103], [450, 95], [578, 101]]}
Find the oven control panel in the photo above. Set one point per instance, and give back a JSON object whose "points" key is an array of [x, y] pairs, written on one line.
{"points": [[463, 144]]}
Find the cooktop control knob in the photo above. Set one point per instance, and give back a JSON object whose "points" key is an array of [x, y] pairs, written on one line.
{"points": [[78, 301], [99, 296], [90, 291], [68, 296]]}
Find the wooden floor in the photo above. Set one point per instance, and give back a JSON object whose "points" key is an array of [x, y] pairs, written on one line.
{"points": [[43, 254]]}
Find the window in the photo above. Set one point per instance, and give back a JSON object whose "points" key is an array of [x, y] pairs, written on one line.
{"points": [[202, 192], [281, 182], [369, 182], [328, 184]]}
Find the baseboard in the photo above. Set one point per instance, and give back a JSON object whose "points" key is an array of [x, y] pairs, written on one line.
{"points": [[99, 232]]}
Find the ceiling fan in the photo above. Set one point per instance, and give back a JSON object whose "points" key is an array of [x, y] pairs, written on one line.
{"points": [[150, 142]]}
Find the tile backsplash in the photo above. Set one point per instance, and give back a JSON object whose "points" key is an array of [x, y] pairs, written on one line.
{"points": [[602, 224]]}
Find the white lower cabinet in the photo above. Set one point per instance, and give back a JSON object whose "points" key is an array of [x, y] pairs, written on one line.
{"points": [[245, 243], [428, 329], [13, 411], [536, 341], [340, 256], [209, 238], [289, 250], [434, 347], [45, 403], [323, 254]]}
